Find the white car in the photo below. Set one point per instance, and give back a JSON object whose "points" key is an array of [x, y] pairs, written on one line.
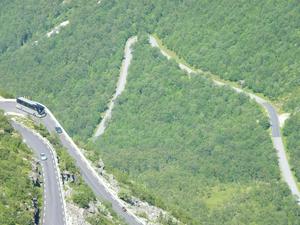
{"points": [[43, 156]]}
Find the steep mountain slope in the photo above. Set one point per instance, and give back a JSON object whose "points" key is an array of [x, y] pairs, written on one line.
{"points": [[191, 145], [202, 150]]}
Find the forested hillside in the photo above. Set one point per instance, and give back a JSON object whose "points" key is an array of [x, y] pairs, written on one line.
{"points": [[17, 190], [237, 40], [255, 41], [200, 151], [74, 73], [204, 151]]}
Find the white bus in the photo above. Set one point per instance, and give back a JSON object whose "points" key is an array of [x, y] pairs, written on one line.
{"points": [[31, 107]]}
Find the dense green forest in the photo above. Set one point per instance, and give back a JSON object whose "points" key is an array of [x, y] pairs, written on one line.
{"points": [[22, 21], [292, 137], [75, 72], [255, 41], [204, 151], [17, 191]]}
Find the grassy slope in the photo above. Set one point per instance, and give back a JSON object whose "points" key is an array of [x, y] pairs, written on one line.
{"points": [[15, 186], [198, 147]]}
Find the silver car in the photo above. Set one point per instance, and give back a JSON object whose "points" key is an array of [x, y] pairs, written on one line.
{"points": [[43, 156]]}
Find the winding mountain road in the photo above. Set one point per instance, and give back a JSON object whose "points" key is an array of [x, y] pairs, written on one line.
{"points": [[92, 178], [273, 116], [89, 174], [53, 207]]}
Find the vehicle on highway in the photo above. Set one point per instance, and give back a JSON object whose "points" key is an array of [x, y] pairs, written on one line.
{"points": [[58, 130], [43, 156], [31, 107]]}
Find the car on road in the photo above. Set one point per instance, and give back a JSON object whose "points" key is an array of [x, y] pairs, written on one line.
{"points": [[43, 156], [58, 130]]}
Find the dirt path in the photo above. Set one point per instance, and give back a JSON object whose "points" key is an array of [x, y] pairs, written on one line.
{"points": [[120, 86]]}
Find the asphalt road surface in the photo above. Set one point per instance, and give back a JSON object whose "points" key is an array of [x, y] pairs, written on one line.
{"points": [[52, 213], [88, 173], [273, 119], [278, 145]]}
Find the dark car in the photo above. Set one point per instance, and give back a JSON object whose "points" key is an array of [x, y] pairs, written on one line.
{"points": [[58, 130]]}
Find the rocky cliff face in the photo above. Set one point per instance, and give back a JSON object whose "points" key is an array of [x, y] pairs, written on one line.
{"points": [[36, 174]]}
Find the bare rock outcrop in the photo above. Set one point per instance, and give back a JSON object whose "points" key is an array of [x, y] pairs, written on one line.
{"points": [[67, 177], [35, 175]]}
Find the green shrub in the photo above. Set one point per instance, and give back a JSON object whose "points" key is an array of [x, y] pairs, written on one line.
{"points": [[83, 195]]}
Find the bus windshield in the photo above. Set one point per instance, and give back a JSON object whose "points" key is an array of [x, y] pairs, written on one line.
{"points": [[40, 109]]}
